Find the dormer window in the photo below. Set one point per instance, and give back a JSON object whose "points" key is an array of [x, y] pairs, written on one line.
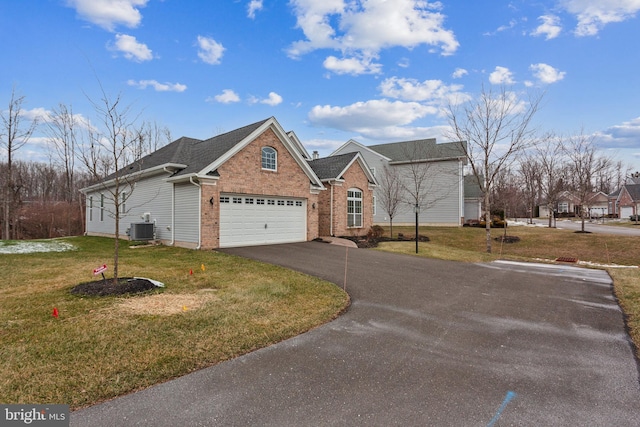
{"points": [[269, 158]]}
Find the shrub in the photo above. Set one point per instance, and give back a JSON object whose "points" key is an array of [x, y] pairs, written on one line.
{"points": [[375, 232]]}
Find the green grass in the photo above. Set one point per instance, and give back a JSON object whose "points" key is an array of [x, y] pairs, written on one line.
{"points": [[539, 244], [98, 348]]}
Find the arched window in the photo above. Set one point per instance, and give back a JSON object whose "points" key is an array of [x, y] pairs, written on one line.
{"points": [[269, 158], [354, 207]]}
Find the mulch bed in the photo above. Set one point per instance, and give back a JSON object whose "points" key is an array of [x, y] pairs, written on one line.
{"points": [[125, 285], [363, 242]]}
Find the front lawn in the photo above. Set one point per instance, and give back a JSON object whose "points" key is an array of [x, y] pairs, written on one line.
{"points": [[101, 347]]}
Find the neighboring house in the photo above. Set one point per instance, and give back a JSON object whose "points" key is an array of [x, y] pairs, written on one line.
{"points": [[254, 185], [569, 205], [473, 198], [443, 186], [628, 200]]}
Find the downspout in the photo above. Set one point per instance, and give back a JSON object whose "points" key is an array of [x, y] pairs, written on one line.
{"points": [[173, 215], [199, 212], [331, 212]]}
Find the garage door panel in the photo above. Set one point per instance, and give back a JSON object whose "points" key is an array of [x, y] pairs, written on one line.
{"points": [[256, 220]]}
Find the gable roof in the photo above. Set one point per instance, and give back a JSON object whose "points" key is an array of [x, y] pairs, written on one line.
{"points": [[190, 157], [634, 191], [334, 167], [420, 150], [472, 189]]}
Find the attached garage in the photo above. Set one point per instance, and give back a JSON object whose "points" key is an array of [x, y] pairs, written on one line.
{"points": [[247, 220], [626, 212]]}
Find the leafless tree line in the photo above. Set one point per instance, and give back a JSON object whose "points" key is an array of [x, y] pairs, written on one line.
{"points": [[42, 200]]}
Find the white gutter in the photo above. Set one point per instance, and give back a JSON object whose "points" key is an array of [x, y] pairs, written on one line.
{"points": [[173, 214], [199, 212]]}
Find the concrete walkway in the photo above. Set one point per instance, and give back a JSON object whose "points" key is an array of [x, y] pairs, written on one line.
{"points": [[425, 343]]}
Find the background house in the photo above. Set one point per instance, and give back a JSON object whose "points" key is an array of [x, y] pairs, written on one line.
{"points": [[250, 186], [434, 173], [627, 201]]}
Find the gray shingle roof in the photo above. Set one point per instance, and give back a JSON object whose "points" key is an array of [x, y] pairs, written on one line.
{"points": [[471, 187], [421, 149], [331, 167], [634, 191], [196, 154]]}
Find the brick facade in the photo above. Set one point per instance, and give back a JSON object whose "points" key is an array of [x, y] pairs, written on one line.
{"points": [[243, 174], [353, 178]]}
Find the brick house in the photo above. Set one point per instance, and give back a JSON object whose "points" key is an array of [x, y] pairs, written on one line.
{"points": [[254, 185]]}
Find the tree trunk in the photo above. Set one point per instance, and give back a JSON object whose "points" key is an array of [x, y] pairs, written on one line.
{"points": [[487, 218]]}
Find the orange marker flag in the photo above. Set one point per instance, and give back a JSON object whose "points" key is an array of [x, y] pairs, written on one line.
{"points": [[55, 312], [191, 272], [202, 267]]}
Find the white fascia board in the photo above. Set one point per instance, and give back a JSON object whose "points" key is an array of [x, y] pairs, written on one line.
{"points": [[360, 147], [296, 141], [363, 165], [441, 159], [135, 175], [273, 124]]}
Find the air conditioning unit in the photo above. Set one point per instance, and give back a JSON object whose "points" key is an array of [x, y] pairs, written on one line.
{"points": [[141, 231]]}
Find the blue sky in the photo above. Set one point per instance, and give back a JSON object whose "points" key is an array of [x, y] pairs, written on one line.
{"points": [[373, 70]]}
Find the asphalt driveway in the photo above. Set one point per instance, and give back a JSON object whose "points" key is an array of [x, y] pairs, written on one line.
{"points": [[425, 342]]}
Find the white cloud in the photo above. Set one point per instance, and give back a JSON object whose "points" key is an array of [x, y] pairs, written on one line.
{"points": [[502, 28], [459, 72], [159, 87], [39, 113], [109, 13], [365, 116], [593, 15], [625, 135], [362, 29], [434, 92], [253, 7], [131, 48], [210, 50], [353, 66], [501, 75], [546, 73], [227, 96], [550, 27], [273, 100]]}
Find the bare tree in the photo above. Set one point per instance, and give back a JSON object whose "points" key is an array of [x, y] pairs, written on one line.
{"points": [[390, 193], [550, 154], [585, 165], [531, 173], [116, 142], [496, 128], [14, 134]]}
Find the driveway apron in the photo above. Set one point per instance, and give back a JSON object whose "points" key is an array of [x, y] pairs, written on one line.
{"points": [[425, 343]]}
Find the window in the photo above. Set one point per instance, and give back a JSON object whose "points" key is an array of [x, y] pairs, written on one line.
{"points": [[289, 202], [563, 207], [271, 202], [248, 201], [102, 207], [269, 156], [259, 201], [280, 202], [298, 203], [373, 171], [123, 199], [237, 200], [91, 208], [354, 208], [224, 199], [374, 204]]}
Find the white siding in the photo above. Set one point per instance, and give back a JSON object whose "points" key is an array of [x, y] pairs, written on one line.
{"points": [[187, 205], [150, 195]]}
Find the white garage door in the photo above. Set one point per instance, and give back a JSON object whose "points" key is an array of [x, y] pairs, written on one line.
{"points": [[259, 220], [626, 212]]}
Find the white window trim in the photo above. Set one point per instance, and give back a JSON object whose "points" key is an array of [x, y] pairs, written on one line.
{"points": [[355, 215], [101, 207], [275, 159]]}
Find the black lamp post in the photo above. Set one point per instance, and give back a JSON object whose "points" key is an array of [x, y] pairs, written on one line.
{"points": [[417, 210]]}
